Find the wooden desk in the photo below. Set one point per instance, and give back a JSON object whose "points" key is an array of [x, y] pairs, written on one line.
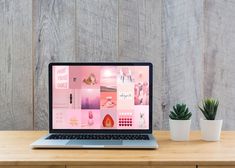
{"points": [[15, 151]]}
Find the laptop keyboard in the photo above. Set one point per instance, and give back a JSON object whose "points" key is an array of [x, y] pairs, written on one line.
{"points": [[99, 137]]}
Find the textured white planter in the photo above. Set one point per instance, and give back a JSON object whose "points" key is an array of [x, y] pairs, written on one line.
{"points": [[211, 129], [180, 129]]}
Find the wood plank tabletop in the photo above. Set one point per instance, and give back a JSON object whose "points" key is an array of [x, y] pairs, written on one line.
{"points": [[15, 150]]}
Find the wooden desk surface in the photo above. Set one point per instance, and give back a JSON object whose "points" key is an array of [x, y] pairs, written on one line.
{"points": [[15, 150]]}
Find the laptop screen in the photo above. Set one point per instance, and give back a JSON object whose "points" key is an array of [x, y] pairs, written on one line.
{"points": [[100, 97]]}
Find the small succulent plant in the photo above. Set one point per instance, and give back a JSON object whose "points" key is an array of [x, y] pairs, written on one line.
{"points": [[209, 108], [180, 112]]}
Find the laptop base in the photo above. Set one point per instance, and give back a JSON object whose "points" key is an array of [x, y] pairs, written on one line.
{"points": [[63, 143]]}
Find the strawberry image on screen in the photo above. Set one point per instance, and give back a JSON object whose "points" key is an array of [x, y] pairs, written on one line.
{"points": [[108, 121]]}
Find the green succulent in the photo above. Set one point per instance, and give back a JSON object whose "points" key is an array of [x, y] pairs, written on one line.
{"points": [[209, 108], [180, 112]]}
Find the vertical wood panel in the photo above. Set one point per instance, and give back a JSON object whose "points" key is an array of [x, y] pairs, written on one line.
{"points": [[182, 31], [141, 166], [215, 166], [16, 65], [219, 57], [97, 30], [54, 29], [140, 40]]}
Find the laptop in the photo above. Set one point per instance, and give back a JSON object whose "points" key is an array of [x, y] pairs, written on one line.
{"points": [[99, 105]]}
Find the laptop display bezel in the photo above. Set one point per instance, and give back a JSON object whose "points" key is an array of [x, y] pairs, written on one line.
{"points": [[145, 131]]}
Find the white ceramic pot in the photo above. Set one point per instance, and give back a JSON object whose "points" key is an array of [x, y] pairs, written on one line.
{"points": [[211, 129], [180, 129]]}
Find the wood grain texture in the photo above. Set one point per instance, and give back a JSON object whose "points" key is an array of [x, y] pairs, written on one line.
{"points": [[15, 150], [216, 166], [182, 45], [219, 57], [54, 29], [140, 40], [16, 110], [96, 30], [32, 166], [108, 166]]}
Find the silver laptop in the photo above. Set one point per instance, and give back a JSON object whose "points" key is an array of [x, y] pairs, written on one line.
{"points": [[99, 105]]}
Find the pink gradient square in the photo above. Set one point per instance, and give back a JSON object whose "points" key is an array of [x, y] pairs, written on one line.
{"points": [[108, 78], [90, 119], [90, 98]]}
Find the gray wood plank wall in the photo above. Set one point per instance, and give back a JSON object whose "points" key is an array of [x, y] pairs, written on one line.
{"points": [[190, 42], [16, 79], [219, 57]]}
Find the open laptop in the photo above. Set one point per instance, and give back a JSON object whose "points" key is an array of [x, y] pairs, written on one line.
{"points": [[99, 105]]}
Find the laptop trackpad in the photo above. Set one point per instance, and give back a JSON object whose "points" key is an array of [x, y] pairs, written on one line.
{"points": [[95, 142]]}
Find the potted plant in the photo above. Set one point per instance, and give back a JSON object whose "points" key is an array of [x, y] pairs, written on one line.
{"points": [[210, 127], [180, 121]]}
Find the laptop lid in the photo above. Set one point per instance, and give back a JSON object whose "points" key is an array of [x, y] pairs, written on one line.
{"points": [[100, 97]]}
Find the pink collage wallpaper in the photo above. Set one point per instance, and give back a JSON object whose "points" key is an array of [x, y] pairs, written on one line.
{"points": [[100, 97]]}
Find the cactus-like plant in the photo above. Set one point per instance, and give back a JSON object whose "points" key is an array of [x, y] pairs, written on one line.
{"points": [[209, 108], [180, 112]]}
